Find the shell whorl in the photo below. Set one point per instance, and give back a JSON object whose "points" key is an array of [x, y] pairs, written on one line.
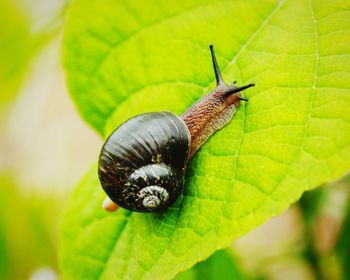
{"points": [[153, 197], [157, 186], [142, 163]]}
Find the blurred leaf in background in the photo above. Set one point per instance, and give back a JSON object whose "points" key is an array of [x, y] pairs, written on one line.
{"points": [[324, 212], [18, 44], [343, 245], [28, 218], [28, 223], [220, 265]]}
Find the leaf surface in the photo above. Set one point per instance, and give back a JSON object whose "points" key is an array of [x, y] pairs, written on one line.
{"points": [[124, 58]]}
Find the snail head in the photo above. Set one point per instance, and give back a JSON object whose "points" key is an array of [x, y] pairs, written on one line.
{"points": [[230, 92]]}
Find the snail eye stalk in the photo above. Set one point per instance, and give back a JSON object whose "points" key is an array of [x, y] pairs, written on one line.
{"points": [[238, 89], [219, 80]]}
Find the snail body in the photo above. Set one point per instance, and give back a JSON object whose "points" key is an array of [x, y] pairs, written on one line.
{"points": [[142, 163]]}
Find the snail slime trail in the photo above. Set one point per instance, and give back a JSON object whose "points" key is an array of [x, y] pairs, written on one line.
{"points": [[142, 162]]}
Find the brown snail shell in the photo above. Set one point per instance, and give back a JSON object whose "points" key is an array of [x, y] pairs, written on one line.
{"points": [[141, 164]]}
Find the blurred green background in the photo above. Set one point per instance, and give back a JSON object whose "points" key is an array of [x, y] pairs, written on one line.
{"points": [[45, 148]]}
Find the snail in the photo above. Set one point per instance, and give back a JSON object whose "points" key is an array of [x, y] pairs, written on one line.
{"points": [[142, 163]]}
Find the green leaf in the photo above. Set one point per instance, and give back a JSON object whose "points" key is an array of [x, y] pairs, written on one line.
{"points": [[18, 45], [24, 230], [343, 244], [16, 49], [123, 58], [220, 265]]}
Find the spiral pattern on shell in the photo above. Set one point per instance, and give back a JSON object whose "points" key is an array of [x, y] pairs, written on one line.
{"points": [[141, 164]]}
